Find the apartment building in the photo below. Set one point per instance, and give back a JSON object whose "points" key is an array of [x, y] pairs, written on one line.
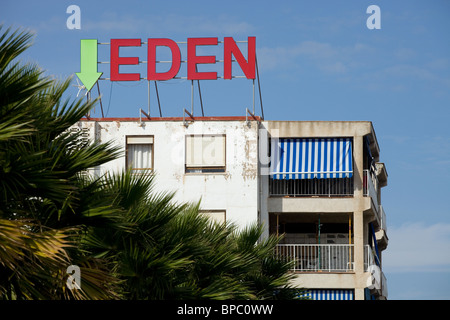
{"points": [[323, 194], [317, 183]]}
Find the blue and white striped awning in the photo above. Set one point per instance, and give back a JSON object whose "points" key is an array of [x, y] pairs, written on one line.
{"points": [[330, 294], [309, 158]]}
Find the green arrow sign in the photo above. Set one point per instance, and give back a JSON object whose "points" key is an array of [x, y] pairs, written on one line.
{"points": [[88, 75]]}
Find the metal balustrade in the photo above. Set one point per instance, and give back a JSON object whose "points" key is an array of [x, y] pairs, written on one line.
{"points": [[322, 257], [311, 187], [317, 257], [383, 219], [370, 187]]}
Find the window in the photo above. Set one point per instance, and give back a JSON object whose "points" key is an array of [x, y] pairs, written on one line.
{"points": [[205, 153], [216, 215], [139, 152]]}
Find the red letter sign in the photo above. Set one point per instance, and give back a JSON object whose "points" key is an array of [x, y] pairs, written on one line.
{"points": [[151, 64], [230, 48], [193, 59], [116, 60]]}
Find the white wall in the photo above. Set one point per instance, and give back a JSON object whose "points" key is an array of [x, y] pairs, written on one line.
{"points": [[235, 191]]}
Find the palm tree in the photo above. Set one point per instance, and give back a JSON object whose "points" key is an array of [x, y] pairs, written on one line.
{"points": [[165, 250], [42, 191]]}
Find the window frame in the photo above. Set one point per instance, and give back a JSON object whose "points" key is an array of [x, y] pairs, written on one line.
{"points": [[206, 169], [152, 163], [205, 212]]}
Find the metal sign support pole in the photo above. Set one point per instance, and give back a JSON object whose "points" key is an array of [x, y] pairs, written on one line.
{"points": [[253, 96], [192, 97], [148, 96]]}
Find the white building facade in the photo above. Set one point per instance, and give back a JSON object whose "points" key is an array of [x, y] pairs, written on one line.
{"points": [[317, 183]]}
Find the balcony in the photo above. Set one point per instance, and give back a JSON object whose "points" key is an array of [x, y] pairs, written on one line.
{"points": [[381, 234], [371, 188], [323, 257], [383, 219], [331, 187]]}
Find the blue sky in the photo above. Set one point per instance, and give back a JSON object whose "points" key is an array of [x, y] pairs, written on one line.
{"points": [[317, 61]]}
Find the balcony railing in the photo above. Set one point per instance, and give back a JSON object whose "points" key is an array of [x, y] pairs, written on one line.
{"points": [[325, 187], [318, 257], [370, 187], [311, 187], [370, 257], [322, 257], [383, 219], [384, 288]]}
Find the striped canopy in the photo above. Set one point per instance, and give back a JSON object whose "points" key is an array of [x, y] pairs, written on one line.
{"points": [[330, 294], [309, 158]]}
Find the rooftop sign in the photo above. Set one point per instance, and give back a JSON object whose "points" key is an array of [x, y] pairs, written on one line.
{"points": [[88, 67]]}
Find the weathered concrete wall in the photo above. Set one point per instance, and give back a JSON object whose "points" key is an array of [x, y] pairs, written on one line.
{"points": [[235, 190], [317, 129]]}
